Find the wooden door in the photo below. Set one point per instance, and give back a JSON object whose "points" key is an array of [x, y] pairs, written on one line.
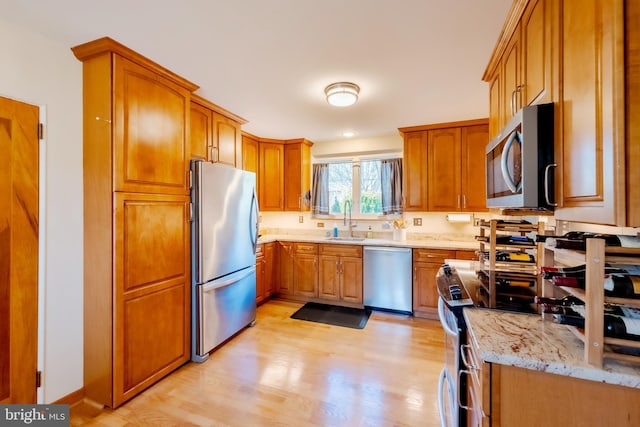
{"points": [[292, 174], [152, 290], [305, 275], [474, 140], [151, 117], [425, 296], [250, 154], [285, 270], [593, 105], [200, 131], [415, 171], [271, 176], [511, 90], [495, 104], [329, 277], [260, 279], [443, 159], [18, 251], [226, 140], [269, 258], [537, 58], [351, 279]]}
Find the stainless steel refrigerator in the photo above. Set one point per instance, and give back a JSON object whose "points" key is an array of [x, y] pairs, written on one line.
{"points": [[224, 234]]}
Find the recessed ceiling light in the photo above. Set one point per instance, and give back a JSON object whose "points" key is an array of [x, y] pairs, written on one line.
{"points": [[342, 94], [348, 133]]}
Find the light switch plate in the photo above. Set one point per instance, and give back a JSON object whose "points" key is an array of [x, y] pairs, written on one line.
{"points": [[320, 225], [301, 219], [417, 221]]}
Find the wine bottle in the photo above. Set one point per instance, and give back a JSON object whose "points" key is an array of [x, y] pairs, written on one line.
{"points": [[577, 240], [566, 301], [506, 256], [523, 283], [577, 271], [615, 285], [614, 326], [508, 240]]}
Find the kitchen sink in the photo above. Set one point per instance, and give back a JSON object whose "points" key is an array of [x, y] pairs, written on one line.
{"points": [[347, 239]]}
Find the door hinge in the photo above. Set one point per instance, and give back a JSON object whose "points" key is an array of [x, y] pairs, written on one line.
{"points": [[38, 379], [40, 131]]}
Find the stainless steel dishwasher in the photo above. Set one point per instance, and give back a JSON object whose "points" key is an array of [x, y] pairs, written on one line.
{"points": [[387, 278]]}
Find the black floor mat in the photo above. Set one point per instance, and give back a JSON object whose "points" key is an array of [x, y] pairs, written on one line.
{"points": [[348, 317]]}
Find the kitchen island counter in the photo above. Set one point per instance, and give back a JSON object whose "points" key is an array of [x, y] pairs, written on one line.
{"points": [[526, 341]]}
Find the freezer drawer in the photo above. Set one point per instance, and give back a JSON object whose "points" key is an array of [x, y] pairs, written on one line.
{"points": [[387, 278], [224, 307]]}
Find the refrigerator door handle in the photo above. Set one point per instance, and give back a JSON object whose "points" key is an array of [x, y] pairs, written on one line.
{"points": [[253, 221], [228, 280]]}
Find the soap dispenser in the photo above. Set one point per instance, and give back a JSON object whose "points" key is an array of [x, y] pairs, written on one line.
{"points": [[335, 230]]}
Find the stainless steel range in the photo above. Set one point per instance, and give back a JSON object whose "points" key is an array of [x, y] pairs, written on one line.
{"points": [[452, 396]]}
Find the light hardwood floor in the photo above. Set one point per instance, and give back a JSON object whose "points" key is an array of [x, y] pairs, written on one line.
{"points": [[287, 372]]}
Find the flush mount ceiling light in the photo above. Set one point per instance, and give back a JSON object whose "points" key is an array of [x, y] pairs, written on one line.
{"points": [[342, 94]]}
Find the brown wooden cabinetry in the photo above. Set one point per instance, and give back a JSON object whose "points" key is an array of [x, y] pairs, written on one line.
{"points": [[136, 221], [426, 263], [218, 130], [250, 153], [305, 269], [264, 271], [285, 268], [260, 274], [452, 177], [297, 174], [340, 273], [271, 176]]}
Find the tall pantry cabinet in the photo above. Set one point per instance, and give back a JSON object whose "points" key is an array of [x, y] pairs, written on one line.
{"points": [[136, 221]]}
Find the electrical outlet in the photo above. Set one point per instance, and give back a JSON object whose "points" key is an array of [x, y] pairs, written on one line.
{"points": [[301, 219], [417, 221], [320, 225]]}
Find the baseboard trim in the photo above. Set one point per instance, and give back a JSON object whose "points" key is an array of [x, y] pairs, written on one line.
{"points": [[72, 398]]}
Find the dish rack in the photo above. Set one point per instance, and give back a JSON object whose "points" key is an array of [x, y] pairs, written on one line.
{"points": [[510, 285], [596, 346]]}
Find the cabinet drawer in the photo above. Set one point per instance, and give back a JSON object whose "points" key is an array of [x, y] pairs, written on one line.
{"points": [[432, 255], [305, 248], [341, 250], [467, 255]]}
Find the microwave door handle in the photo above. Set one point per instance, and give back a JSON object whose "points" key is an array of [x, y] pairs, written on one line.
{"points": [[547, 169], [515, 136]]}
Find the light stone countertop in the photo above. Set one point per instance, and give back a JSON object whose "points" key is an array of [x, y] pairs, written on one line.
{"points": [[527, 341], [410, 243]]}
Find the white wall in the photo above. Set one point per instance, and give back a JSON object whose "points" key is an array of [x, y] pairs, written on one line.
{"points": [[358, 146], [40, 72]]}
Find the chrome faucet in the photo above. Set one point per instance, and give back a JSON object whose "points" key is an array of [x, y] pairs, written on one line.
{"points": [[347, 202]]}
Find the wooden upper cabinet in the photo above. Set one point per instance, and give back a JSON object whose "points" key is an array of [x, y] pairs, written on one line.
{"points": [[415, 170], [250, 153], [271, 176], [450, 175], [593, 127], [537, 53], [297, 174], [150, 127], [495, 104], [443, 183], [219, 129], [511, 79], [200, 131], [474, 140]]}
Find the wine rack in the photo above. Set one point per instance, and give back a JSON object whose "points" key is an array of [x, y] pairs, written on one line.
{"points": [[507, 284], [597, 347]]}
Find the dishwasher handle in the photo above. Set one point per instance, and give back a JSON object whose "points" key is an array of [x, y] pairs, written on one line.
{"points": [[386, 249]]}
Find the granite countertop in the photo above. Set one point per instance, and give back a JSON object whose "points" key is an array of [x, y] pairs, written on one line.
{"points": [[409, 243], [527, 341]]}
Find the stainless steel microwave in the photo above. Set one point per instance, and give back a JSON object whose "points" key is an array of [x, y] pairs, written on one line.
{"points": [[519, 161]]}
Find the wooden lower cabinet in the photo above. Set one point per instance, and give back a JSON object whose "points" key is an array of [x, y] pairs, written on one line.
{"points": [[264, 271], [426, 263], [260, 274], [305, 270], [285, 268], [340, 273]]}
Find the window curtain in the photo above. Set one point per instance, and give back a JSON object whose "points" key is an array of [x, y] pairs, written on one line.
{"points": [[320, 189], [391, 180]]}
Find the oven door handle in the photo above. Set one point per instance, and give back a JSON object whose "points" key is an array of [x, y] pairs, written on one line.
{"points": [[443, 319], [443, 378], [504, 159]]}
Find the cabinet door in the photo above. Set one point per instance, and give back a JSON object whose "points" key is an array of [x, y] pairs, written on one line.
{"points": [[329, 277], [152, 290], [271, 176], [425, 293], [473, 178], [250, 154], [511, 78], [415, 171], [537, 57], [260, 279], [226, 140], [269, 258], [305, 275], [351, 279], [151, 116], [593, 148], [297, 181], [285, 272], [444, 169], [200, 131], [495, 104]]}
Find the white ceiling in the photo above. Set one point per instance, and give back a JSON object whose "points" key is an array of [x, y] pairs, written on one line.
{"points": [[416, 61]]}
